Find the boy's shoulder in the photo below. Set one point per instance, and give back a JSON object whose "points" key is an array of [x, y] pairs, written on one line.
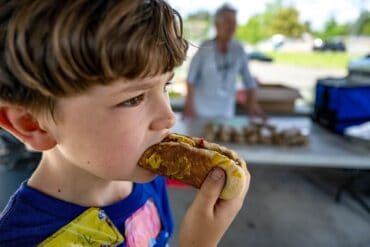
{"points": [[31, 216]]}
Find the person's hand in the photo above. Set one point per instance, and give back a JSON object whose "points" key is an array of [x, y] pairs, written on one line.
{"points": [[189, 108], [252, 106], [208, 217], [254, 110], [189, 111]]}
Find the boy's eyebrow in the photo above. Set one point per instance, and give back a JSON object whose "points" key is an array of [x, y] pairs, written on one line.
{"points": [[145, 85]]}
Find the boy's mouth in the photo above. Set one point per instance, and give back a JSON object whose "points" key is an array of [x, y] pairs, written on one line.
{"points": [[161, 138], [166, 134]]}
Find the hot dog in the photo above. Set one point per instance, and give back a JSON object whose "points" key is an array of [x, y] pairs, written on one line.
{"points": [[190, 159]]}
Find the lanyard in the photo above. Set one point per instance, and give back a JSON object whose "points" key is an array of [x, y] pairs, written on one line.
{"points": [[222, 64]]}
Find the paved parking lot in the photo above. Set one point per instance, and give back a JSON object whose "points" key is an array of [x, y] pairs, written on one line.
{"points": [[302, 78]]}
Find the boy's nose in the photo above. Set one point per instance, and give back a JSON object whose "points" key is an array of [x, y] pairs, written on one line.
{"points": [[165, 119]]}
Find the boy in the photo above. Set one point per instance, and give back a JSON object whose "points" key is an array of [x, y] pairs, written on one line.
{"points": [[84, 82]]}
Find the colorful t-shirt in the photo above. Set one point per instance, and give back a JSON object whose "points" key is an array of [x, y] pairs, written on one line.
{"points": [[142, 219]]}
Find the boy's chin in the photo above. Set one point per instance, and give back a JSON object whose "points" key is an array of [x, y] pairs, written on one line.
{"points": [[146, 177]]}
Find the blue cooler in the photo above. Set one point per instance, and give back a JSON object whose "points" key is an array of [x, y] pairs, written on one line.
{"points": [[339, 105]]}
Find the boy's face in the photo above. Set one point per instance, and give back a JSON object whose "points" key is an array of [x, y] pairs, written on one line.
{"points": [[105, 130]]}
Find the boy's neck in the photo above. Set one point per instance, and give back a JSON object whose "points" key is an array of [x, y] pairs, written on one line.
{"points": [[71, 184]]}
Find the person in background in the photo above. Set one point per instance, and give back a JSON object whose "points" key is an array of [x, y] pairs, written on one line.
{"points": [[85, 83], [212, 76]]}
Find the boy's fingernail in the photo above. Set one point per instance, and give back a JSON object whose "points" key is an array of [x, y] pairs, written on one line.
{"points": [[217, 174]]}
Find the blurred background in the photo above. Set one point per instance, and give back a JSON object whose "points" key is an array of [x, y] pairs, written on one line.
{"points": [[291, 42], [318, 194]]}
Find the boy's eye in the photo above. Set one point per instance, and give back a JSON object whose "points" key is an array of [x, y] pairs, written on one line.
{"points": [[138, 99], [133, 101]]}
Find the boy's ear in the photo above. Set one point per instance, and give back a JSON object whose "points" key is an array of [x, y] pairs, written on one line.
{"points": [[21, 123]]}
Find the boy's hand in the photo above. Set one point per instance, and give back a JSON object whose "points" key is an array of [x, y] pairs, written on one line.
{"points": [[208, 217]]}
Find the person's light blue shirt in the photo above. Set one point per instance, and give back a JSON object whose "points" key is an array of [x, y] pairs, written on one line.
{"points": [[214, 76]]}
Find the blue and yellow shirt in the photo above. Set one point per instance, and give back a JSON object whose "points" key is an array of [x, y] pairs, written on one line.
{"points": [[32, 218]]}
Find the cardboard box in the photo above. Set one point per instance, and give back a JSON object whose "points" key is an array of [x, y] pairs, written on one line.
{"points": [[273, 98]]}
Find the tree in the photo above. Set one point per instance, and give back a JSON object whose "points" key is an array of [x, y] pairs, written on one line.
{"points": [[286, 22], [333, 29], [197, 25], [364, 23], [274, 6], [253, 31], [200, 15], [275, 20]]}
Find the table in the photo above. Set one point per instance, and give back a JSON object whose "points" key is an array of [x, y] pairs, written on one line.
{"points": [[325, 149]]}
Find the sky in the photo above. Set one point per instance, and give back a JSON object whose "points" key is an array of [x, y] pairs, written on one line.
{"points": [[317, 12]]}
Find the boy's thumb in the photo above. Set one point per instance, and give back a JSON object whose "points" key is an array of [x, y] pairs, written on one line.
{"points": [[211, 188]]}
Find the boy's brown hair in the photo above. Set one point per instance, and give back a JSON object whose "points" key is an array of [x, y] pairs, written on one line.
{"points": [[52, 48]]}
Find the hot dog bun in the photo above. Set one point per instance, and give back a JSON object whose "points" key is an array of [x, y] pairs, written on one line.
{"points": [[190, 159]]}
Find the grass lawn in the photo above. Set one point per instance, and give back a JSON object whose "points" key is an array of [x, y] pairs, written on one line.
{"points": [[338, 60]]}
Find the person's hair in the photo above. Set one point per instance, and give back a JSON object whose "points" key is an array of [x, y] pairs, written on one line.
{"points": [[220, 12], [51, 49]]}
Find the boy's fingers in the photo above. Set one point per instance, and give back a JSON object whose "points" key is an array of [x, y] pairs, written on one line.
{"points": [[211, 188]]}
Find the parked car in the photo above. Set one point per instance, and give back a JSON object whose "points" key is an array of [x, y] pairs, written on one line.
{"points": [[360, 64], [259, 56], [359, 70], [329, 45]]}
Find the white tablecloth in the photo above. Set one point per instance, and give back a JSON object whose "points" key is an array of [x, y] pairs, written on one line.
{"points": [[325, 149]]}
